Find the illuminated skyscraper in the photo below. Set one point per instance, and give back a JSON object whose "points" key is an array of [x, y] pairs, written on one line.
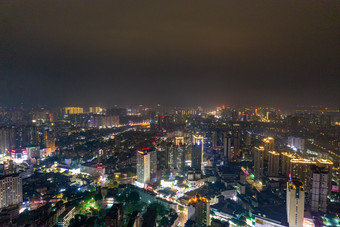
{"points": [[201, 210], [214, 139], [49, 139], [328, 166], [273, 163], [258, 162], [320, 180], [7, 139], [95, 110], [268, 145], [301, 169], [146, 166], [295, 199], [143, 168], [237, 143], [248, 139], [197, 141], [10, 190], [73, 110]]}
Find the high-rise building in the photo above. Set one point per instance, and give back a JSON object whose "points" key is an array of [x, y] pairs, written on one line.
{"points": [[273, 163], [49, 139], [153, 164], [285, 163], [28, 136], [227, 148], [95, 109], [143, 168], [248, 139], [296, 143], [109, 121], [146, 166], [301, 169], [214, 139], [295, 199], [10, 190], [201, 210], [268, 145], [237, 143], [328, 165], [7, 139], [73, 110], [258, 161], [177, 157], [196, 156], [320, 186], [197, 140]]}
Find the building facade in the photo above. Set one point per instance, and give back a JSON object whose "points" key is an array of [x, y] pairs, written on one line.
{"points": [[10, 190], [295, 200]]}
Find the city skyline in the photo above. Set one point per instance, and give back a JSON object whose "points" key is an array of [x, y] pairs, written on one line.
{"points": [[169, 113]]}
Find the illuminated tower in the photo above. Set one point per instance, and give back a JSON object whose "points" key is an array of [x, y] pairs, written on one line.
{"points": [[237, 143], [49, 139], [201, 210], [328, 165], [146, 166], [10, 190], [143, 168], [301, 169], [73, 110], [258, 162], [320, 185], [273, 163], [295, 199], [197, 141], [268, 144]]}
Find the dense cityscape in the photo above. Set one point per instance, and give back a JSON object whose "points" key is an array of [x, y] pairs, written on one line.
{"points": [[169, 166], [195, 113]]}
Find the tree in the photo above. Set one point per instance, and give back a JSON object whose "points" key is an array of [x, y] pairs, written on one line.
{"points": [[133, 197]]}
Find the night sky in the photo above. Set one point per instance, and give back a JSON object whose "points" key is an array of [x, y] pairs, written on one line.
{"points": [[83, 52]]}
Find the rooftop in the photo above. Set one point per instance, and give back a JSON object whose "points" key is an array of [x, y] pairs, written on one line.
{"points": [[198, 198]]}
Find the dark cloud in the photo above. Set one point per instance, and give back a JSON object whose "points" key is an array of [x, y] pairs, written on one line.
{"points": [[170, 52]]}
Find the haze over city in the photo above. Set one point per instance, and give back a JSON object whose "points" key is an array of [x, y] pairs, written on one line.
{"points": [[169, 113], [183, 53]]}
